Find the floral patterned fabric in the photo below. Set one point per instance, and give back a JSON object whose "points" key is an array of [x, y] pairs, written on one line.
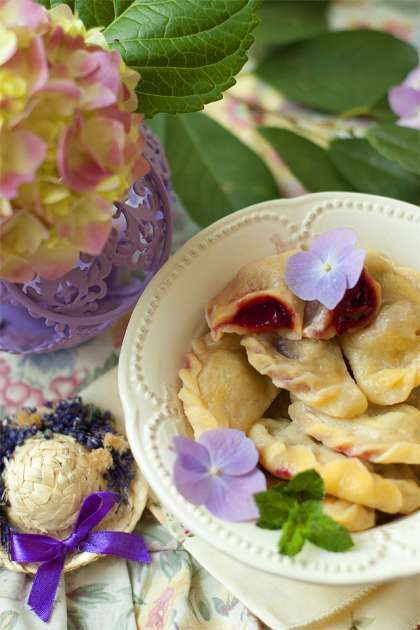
{"points": [[175, 592]]}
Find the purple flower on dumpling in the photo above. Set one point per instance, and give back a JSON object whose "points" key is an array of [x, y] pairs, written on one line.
{"points": [[331, 266], [219, 471], [404, 99]]}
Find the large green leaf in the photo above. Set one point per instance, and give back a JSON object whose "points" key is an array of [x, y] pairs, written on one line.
{"points": [[93, 12], [186, 51], [370, 172], [286, 21], [310, 164], [340, 71], [397, 143], [213, 172]]}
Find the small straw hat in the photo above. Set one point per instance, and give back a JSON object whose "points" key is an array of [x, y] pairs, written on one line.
{"points": [[51, 471]]}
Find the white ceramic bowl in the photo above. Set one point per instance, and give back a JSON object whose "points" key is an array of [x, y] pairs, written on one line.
{"points": [[171, 313]]}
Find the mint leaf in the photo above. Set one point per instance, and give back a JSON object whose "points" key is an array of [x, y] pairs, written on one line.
{"points": [[310, 163], [371, 172], [213, 172], [293, 534], [400, 144], [187, 52], [340, 71], [290, 21], [305, 486], [274, 509], [323, 531]]}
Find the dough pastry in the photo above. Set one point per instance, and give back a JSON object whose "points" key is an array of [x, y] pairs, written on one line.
{"points": [[257, 300], [382, 435], [356, 310], [354, 517], [313, 370], [385, 356], [220, 388], [285, 451]]}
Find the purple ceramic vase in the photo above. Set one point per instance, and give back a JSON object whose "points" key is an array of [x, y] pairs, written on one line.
{"points": [[47, 315]]}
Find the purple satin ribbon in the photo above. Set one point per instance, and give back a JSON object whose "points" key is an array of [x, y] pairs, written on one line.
{"points": [[52, 553]]}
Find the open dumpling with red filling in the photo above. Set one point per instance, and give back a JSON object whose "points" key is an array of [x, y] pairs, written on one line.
{"points": [[285, 450], [382, 435], [385, 356], [356, 310], [220, 388], [257, 300], [314, 371]]}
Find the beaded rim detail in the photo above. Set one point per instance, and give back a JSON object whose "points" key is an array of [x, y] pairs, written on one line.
{"points": [[378, 553]]}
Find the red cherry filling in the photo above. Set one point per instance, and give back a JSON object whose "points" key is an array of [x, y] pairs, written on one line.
{"points": [[358, 305], [264, 313]]}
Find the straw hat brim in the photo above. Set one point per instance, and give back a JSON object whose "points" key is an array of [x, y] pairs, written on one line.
{"points": [[123, 520]]}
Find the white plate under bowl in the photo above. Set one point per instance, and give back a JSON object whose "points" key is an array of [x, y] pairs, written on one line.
{"points": [[171, 313]]}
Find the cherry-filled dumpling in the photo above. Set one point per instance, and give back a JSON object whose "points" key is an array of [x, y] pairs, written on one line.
{"points": [[356, 310], [257, 300], [220, 388], [314, 371], [382, 435], [385, 356], [286, 450]]}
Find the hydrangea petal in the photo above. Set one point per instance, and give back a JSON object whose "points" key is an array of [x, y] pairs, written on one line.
{"points": [[303, 272], [412, 79], [410, 121], [231, 498], [21, 153], [105, 139], [22, 13], [8, 44], [79, 170], [230, 450], [194, 486], [187, 447], [332, 242], [350, 262], [54, 258], [404, 100], [331, 288]]}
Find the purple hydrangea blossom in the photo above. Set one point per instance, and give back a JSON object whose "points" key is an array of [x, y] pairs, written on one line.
{"points": [[331, 266], [219, 471], [404, 99]]}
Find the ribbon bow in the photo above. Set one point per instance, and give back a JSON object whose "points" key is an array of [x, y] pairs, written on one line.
{"points": [[52, 552]]}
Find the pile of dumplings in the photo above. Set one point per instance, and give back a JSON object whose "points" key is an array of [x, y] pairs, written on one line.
{"points": [[337, 391]]}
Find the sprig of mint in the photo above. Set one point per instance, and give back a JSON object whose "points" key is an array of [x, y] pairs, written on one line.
{"points": [[295, 507]]}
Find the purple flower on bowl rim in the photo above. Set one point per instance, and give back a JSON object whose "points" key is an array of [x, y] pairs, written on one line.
{"points": [[404, 100], [219, 471], [331, 266]]}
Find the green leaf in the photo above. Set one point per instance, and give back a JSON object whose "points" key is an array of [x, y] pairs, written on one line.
{"points": [[290, 21], [305, 486], [186, 52], [382, 111], [370, 172], [95, 13], [292, 535], [397, 143], [323, 531], [309, 163], [340, 71], [213, 172], [49, 4], [274, 509]]}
